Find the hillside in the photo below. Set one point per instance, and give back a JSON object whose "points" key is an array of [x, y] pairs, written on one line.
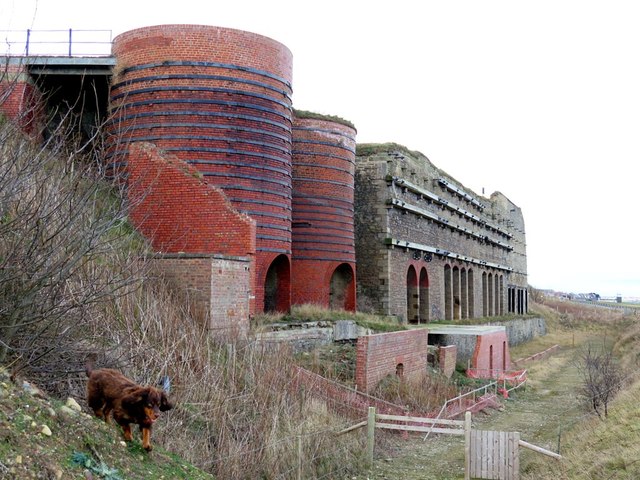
{"points": [[73, 442]]}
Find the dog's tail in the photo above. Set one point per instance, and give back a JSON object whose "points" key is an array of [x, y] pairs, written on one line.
{"points": [[88, 366]]}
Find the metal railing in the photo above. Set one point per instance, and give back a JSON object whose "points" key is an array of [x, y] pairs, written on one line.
{"points": [[519, 379], [67, 43]]}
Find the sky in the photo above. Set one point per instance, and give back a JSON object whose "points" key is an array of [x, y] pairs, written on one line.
{"points": [[538, 100]]}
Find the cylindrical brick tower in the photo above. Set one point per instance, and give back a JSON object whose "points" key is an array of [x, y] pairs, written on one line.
{"points": [[323, 269], [220, 100]]}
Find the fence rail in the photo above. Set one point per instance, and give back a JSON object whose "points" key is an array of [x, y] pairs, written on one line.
{"points": [[67, 43]]}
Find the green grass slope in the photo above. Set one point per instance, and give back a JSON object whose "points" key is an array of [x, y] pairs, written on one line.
{"points": [[43, 438]]}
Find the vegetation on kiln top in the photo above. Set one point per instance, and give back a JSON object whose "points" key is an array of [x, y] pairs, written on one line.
{"points": [[318, 116], [368, 149]]}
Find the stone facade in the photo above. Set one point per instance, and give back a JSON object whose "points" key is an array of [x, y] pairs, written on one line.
{"points": [[427, 248]]}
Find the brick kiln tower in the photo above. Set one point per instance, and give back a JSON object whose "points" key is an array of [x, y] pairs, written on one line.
{"points": [[220, 100], [323, 188]]}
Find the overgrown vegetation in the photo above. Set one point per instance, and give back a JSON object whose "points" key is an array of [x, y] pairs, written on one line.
{"points": [[74, 281], [319, 116]]}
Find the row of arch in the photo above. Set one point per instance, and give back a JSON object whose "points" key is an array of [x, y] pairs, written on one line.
{"points": [[459, 294], [339, 293]]}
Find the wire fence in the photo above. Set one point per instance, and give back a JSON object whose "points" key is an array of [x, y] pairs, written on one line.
{"points": [[57, 43]]}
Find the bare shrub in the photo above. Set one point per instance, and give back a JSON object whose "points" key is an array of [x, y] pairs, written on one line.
{"points": [[601, 378], [421, 393], [65, 250]]}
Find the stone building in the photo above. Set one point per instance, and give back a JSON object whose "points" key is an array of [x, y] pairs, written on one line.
{"points": [[427, 248]]}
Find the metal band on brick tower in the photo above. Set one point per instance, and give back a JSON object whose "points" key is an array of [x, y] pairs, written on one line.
{"points": [[323, 186]]}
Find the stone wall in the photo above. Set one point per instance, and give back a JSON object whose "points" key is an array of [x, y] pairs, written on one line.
{"points": [[412, 217], [214, 286]]}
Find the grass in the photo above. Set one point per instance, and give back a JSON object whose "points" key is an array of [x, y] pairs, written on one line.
{"points": [[315, 313], [77, 443]]}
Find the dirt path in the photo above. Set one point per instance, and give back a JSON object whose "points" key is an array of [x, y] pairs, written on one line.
{"points": [[540, 413]]}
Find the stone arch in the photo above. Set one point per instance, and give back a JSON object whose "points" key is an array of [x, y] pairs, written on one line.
{"points": [[277, 285], [471, 295], [413, 298], [490, 300], [485, 295], [456, 293], [448, 293], [342, 288], [464, 294], [423, 292]]}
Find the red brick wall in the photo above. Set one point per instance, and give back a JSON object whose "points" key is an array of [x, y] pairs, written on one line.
{"points": [[491, 354], [378, 356], [219, 99], [19, 99], [180, 213], [322, 218]]}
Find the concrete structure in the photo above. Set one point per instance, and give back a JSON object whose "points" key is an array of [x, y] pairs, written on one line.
{"points": [[485, 348], [427, 248]]}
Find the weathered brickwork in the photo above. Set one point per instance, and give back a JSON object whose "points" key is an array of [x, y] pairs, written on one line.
{"points": [[220, 100], [182, 214], [447, 356], [214, 286], [398, 353], [323, 269], [429, 249], [19, 99]]}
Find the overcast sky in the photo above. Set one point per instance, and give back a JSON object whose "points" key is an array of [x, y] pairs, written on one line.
{"points": [[538, 100]]}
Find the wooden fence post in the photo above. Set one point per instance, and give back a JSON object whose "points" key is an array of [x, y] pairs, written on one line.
{"points": [[467, 445], [371, 429], [299, 457]]}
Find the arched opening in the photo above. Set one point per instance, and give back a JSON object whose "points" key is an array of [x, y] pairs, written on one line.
{"points": [[504, 356], [464, 294], [456, 293], [341, 291], [400, 370], [485, 295], [491, 358], [501, 294], [424, 296], [277, 286], [491, 290], [412, 296], [496, 307], [471, 295], [448, 295]]}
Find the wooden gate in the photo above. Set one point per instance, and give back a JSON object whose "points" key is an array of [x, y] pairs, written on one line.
{"points": [[494, 455]]}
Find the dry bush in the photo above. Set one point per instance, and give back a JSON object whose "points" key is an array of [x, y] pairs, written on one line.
{"points": [[237, 413], [420, 394], [65, 251]]}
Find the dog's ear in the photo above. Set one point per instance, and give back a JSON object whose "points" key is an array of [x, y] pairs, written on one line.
{"points": [[134, 399], [165, 403]]}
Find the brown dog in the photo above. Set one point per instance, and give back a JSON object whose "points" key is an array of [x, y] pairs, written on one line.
{"points": [[110, 392]]}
